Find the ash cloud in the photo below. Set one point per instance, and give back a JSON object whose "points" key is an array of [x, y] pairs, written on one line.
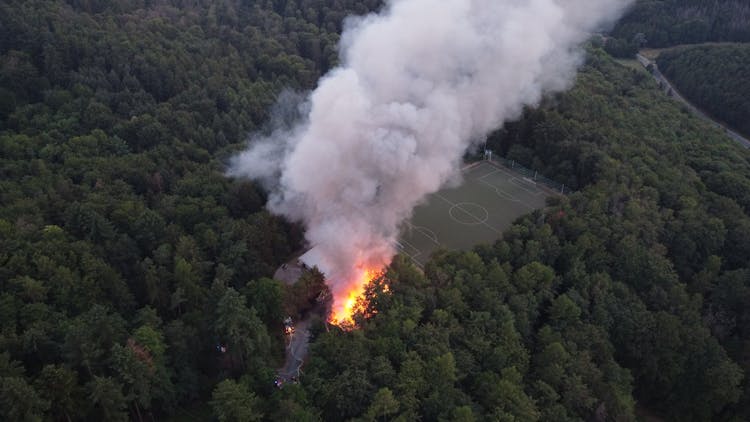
{"points": [[419, 83]]}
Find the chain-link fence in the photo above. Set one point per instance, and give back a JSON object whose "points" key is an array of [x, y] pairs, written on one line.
{"points": [[530, 174]]}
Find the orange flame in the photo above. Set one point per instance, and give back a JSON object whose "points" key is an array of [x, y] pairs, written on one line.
{"points": [[346, 304]]}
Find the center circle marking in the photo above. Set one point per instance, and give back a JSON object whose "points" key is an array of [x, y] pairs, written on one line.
{"points": [[468, 213]]}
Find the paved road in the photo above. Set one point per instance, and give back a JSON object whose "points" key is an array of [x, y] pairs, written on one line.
{"points": [[296, 351], [298, 344], [675, 94]]}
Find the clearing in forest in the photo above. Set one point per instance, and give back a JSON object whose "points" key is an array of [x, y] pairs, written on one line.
{"points": [[486, 203]]}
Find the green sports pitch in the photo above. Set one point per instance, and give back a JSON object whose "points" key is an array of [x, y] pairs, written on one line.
{"points": [[486, 203]]}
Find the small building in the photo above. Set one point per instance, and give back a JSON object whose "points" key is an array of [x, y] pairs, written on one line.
{"points": [[315, 258]]}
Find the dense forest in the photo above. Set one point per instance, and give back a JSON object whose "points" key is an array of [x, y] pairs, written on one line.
{"points": [[135, 277], [663, 23], [632, 290], [126, 255], [715, 78]]}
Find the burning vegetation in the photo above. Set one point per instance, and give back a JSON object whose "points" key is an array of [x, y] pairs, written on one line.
{"points": [[335, 299], [339, 290], [354, 299]]}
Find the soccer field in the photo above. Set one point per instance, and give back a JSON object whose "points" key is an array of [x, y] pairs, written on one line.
{"points": [[490, 198]]}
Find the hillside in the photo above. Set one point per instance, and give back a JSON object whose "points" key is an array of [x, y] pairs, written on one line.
{"points": [[630, 290], [672, 22], [716, 78], [126, 255]]}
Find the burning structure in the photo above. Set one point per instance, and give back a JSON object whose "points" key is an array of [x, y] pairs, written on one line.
{"points": [[418, 84], [348, 293], [314, 258]]}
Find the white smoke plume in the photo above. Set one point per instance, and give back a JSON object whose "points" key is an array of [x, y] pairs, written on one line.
{"points": [[419, 83]]}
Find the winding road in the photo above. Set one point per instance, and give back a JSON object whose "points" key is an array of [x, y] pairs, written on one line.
{"points": [[645, 62]]}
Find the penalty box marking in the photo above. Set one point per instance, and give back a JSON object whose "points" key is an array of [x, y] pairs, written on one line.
{"points": [[492, 169], [426, 232], [505, 195], [403, 245], [520, 183], [501, 193], [512, 178]]}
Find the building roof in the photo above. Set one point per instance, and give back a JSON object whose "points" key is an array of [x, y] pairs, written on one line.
{"points": [[314, 258]]}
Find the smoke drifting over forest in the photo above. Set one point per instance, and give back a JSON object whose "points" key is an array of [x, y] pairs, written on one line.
{"points": [[419, 83]]}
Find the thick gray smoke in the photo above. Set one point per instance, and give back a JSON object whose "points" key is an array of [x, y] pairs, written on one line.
{"points": [[419, 82]]}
